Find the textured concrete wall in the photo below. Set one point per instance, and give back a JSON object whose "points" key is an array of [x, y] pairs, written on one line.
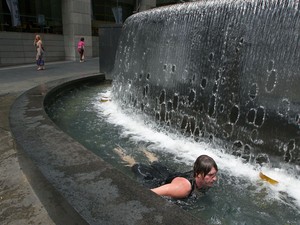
{"points": [[76, 24], [17, 48], [108, 42], [95, 46], [147, 4]]}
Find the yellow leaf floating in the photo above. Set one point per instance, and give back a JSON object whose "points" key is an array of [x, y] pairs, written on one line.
{"points": [[268, 179], [104, 99]]}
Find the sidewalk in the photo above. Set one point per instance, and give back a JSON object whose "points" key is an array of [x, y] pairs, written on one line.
{"points": [[21, 78], [18, 202]]}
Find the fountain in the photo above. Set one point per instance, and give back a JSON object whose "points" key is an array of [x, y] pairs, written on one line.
{"points": [[222, 71]]}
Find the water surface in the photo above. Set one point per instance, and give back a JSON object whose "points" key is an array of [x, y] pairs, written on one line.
{"points": [[239, 197]]}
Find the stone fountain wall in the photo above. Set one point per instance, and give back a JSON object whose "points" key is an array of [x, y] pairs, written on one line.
{"points": [[223, 71]]}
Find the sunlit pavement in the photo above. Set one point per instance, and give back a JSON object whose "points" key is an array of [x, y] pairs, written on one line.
{"points": [[18, 202]]}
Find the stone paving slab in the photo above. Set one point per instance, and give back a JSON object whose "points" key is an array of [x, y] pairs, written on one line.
{"points": [[18, 202]]}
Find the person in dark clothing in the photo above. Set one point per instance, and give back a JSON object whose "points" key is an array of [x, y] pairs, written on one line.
{"points": [[203, 176]]}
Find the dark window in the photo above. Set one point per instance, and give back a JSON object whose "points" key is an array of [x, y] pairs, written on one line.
{"points": [[31, 16]]}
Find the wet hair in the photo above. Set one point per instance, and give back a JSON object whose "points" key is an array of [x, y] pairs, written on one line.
{"points": [[82, 39], [203, 165]]}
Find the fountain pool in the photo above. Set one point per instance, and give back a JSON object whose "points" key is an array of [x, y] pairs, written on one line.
{"points": [[239, 197]]}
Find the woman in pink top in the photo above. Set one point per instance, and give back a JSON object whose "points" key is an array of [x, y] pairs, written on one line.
{"points": [[80, 48]]}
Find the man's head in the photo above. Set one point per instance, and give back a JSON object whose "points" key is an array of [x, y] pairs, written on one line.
{"points": [[205, 171]]}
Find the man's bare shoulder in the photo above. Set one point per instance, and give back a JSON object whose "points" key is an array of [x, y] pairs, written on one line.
{"points": [[182, 186]]}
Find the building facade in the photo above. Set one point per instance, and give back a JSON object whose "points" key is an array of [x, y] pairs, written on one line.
{"points": [[61, 23]]}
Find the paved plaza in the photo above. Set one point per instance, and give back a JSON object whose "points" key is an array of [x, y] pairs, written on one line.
{"points": [[18, 202]]}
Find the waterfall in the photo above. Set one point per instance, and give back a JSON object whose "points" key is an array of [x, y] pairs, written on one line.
{"points": [[226, 72]]}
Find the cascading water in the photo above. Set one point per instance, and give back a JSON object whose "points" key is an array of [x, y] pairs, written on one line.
{"points": [[222, 71]]}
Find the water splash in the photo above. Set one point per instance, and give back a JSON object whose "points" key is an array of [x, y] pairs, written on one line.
{"points": [[186, 150]]}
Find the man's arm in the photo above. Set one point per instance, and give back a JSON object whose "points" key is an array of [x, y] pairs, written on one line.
{"points": [[179, 188]]}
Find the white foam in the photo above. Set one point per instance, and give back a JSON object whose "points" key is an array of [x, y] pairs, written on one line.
{"points": [[188, 150]]}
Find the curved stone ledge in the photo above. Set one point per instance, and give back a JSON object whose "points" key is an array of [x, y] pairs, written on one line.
{"points": [[75, 185]]}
